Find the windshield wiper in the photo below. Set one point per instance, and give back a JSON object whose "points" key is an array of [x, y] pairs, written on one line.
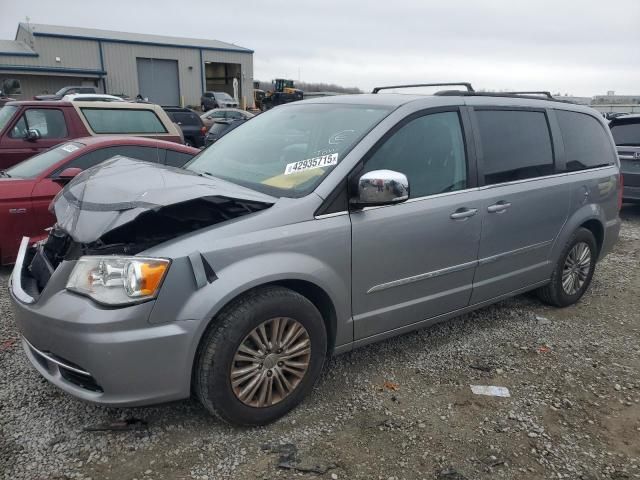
{"points": [[4, 174]]}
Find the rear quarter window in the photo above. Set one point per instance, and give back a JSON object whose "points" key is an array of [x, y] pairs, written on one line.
{"points": [[122, 120], [586, 143]]}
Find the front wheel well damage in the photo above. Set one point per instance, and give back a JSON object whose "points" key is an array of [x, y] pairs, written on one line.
{"points": [[309, 290]]}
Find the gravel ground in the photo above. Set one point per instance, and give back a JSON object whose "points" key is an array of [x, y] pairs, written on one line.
{"points": [[400, 409]]}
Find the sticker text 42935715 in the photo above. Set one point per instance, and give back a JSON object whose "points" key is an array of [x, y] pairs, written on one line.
{"points": [[311, 163]]}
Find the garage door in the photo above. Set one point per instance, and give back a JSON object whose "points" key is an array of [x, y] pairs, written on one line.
{"points": [[158, 80]]}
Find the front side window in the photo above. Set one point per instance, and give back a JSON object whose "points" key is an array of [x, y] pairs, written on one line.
{"points": [[429, 150], [50, 123], [586, 144], [289, 150], [516, 145], [123, 120]]}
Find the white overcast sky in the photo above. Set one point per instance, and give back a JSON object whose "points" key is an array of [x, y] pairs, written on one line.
{"points": [[580, 47]]}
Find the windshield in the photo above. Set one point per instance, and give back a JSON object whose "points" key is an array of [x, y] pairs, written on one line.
{"points": [[287, 151], [6, 113], [62, 91], [223, 96], [626, 133], [35, 166]]}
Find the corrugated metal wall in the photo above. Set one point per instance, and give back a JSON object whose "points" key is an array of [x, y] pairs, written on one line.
{"points": [[72, 53], [39, 84], [119, 61]]}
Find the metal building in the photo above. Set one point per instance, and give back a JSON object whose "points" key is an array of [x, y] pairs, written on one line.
{"points": [[167, 70]]}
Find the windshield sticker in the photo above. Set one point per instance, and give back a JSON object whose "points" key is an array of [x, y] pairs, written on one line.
{"points": [[311, 163], [70, 148]]}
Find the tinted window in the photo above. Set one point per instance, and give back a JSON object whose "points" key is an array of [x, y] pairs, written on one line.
{"points": [[121, 120], [91, 159], [586, 145], [186, 118], [627, 133], [429, 151], [515, 144], [50, 123], [177, 159], [34, 166]]}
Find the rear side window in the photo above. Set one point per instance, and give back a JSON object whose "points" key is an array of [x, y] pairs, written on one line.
{"points": [[516, 145], [121, 120], [91, 159], [625, 134], [586, 143], [177, 159]]}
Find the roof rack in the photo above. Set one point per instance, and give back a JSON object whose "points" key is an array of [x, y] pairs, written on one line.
{"points": [[467, 85], [540, 92]]}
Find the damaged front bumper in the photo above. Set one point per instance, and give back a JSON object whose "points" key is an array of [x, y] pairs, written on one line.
{"points": [[110, 356]]}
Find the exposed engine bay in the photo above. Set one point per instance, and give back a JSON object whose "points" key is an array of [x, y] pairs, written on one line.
{"points": [[104, 211]]}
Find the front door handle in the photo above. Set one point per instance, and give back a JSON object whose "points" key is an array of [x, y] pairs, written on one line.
{"points": [[463, 213], [498, 207]]}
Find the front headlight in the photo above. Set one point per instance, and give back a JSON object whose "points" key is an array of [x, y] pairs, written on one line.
{"points": [[118, 280]]}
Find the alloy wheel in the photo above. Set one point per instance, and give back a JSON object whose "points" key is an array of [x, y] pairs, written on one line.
{"points": [[576, 268], [270, 362]]}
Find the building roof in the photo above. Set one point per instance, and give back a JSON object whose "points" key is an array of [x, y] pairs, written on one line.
{"points": [[15, 47], [60, 31]]}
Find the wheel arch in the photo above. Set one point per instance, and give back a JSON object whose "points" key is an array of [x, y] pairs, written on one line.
{"points": [[308, 289]]}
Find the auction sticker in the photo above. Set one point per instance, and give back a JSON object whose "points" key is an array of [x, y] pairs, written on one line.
{"points": [[311, 163]]}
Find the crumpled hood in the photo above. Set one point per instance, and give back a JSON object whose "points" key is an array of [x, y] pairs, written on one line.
{"points": [[119, 190]]}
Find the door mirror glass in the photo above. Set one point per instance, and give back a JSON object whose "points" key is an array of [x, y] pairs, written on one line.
{"points": [[32, 135], [381, 187], [67, 174]]}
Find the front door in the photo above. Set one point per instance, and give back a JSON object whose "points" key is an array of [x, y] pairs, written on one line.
{"points": [[524, 206], [416, 260], [49, 122]]}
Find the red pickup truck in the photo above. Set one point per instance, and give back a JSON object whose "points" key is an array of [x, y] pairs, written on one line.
{"points": [[30, 127]]}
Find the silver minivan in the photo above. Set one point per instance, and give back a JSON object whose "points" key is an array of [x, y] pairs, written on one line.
{"points": [[315, 228]]}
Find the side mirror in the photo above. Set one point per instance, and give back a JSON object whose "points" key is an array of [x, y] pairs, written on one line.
{"points": [[381, 187], [32, 135], [67, 175]]}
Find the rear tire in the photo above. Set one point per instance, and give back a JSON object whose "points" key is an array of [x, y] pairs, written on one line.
{"points": [[572, 274], [247, 349]]}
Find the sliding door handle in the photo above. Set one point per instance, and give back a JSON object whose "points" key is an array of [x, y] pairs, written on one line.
{"points": [[462, 213], [498, 207]]}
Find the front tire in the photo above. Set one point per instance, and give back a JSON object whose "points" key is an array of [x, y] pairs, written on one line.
{"points": [[261, 357], [573, 273]]}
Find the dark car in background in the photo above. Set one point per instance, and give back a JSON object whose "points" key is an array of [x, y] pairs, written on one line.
{"points": [[66, 91], [626, 133], [220, 128], [193, 129], [26, 189], [224, 114], [211, 100]]}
